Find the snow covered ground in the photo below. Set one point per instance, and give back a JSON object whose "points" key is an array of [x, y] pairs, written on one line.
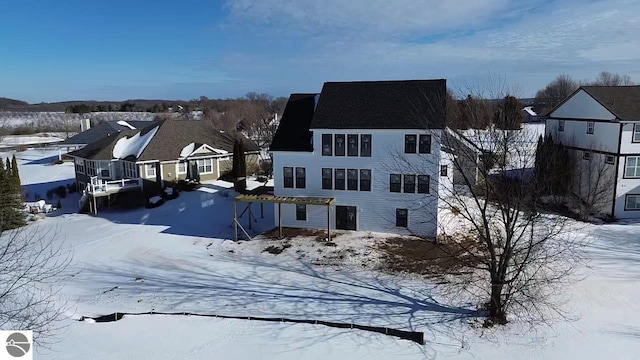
{"points": [[178, 257], [13, 140]]}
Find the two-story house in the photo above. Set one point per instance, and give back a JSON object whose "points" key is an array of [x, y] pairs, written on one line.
{"points": [[373, 146], [601, 126], [144, 159]]}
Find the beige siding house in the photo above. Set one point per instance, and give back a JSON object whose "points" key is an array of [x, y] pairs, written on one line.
{"points": [[151, 157]]}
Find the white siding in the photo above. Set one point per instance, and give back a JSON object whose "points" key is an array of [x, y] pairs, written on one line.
{"points": [[627, 146], [604, 137], [582, 106], [375, 208], [624, 187]]}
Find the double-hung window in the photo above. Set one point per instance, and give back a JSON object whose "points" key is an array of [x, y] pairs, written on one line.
{"points": [[79, 165], [424, 146], [301, 178], [560, 125], [365, 145], [327, 146], [182, 167], [365, 180], [410, 184], [352, 179], [150, 170], [636, 133], [590, 127], [327, 178], [288, 176], [410, 144], [352, 145], [205, 166], [301, 212], [402, 218], [340, 179], [91, 168], [423, 184], [632, 167], [395, 183], [339, 145]]}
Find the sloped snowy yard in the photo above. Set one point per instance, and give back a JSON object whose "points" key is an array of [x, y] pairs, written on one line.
{"points": [[177, 258]]}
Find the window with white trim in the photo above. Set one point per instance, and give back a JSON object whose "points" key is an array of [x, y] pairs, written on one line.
{"points": [[632, 167], [150, 170], [632, 202], [636, 133], [301, 178], [79, 165], [130, 170], [181, 167], [301, 212], [91, 168], [610, 159], [560, 125], [205, 166], [590, 126], [586, 155], [402, 218], [287, 176]]}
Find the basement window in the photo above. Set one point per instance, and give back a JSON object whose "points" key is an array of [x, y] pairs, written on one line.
{"points": [[610, 159]]}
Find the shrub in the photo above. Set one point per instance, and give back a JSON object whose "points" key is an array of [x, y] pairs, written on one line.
{"points": [[21, 148], [61, 191], [170, 193], [71, 188], [154, 202]]}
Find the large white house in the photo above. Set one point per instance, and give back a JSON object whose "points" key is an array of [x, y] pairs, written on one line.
{"points": [[601, 126], [372, 146]]}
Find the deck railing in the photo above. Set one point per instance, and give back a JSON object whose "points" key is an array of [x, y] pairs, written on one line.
{"points": [[97, 186]]}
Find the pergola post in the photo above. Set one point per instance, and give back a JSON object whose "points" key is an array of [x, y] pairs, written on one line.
{"points": [[279, 220], [250, 216], [235, 221], [329, 222]]}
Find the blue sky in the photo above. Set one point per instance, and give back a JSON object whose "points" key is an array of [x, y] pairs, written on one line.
{"points": [[115, 50]]}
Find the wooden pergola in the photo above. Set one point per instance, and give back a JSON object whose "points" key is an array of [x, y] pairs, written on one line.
{"points": [[272, 199]]}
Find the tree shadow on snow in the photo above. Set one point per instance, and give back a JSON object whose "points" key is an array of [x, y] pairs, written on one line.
{"points": [[248, 285]]}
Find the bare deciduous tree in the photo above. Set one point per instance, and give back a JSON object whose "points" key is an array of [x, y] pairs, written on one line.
{"points": [[557, 90], [512, 254], [594, 184], [606, 78], [31, 269]]}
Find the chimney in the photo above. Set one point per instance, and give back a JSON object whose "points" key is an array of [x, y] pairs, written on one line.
{"points": [[85, 124]]}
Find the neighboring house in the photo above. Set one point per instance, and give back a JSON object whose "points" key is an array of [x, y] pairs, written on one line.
{"points": [[88, 134], [145, 159], [372, 146], [601, 125], [529, 115]]}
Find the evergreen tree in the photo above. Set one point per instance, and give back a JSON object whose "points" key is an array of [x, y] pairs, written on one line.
{"points": [[11, 215], [16, 174]]}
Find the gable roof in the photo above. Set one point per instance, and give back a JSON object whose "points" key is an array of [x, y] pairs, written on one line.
{"points": [[102, 149], [174, 135], [107, 128], [621, 101], [405, 104], [293, 132], [167, 140]]}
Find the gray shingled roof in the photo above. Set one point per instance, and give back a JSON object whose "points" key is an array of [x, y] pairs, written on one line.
{"points": [[622, 101], [167, 143], [102, 149], [293, 132], [174, 135], [409, 104], [107, 128]]}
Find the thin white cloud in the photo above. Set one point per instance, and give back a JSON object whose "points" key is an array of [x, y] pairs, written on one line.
{"points": [[361, 39]]}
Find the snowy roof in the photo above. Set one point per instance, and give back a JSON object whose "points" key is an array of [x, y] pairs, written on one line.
{"points": [[133, 146], [529, 110]]}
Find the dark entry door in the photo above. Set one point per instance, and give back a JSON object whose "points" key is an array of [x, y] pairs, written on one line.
{"points": [[345, 217]]}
